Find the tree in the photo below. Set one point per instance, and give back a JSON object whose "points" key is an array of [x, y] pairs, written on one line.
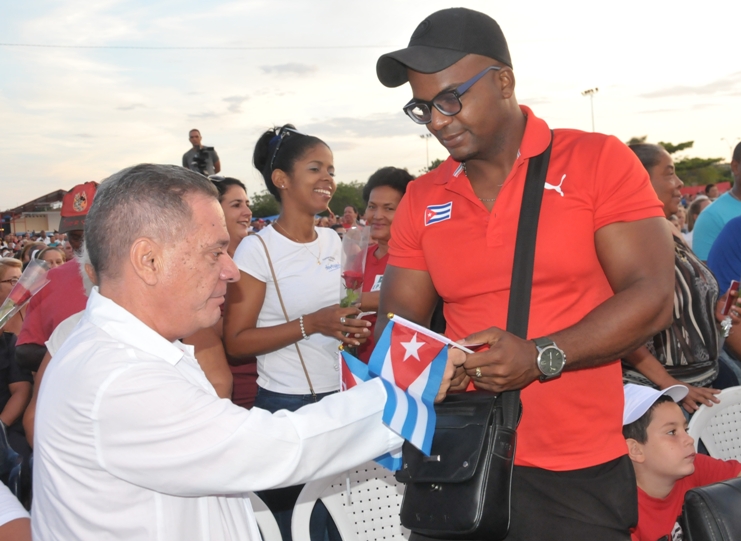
{"points": [[692, 171], [435, 164], [264, 204], [673, 149], [348, 194]]}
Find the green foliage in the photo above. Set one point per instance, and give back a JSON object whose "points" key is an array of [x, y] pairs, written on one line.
{"points": [[692, 171], [348, 194], [264, 204], [673, 149], [434, 165], [701, 171]]}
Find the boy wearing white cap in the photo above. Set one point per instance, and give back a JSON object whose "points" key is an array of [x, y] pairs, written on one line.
{"points": [[664, 460]]}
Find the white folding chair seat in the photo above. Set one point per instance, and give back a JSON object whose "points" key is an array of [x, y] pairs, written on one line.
{"points": [[719, 425], [265, 519], [369, 513]]}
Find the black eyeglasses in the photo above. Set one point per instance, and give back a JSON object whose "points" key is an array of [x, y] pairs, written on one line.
{"points": [[11, 281], [284, 132], [447, 102]]}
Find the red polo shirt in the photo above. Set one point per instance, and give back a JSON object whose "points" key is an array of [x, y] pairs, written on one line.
{"points": [[593, 180], [62, 297]]}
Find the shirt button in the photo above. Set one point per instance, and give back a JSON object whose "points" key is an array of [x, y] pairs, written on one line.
{"points": [[337, 367]]}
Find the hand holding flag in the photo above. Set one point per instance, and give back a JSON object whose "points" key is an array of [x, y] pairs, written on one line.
{"points": [[412, 362]]}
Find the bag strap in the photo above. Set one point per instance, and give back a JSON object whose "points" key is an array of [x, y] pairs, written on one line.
{"points": [[285, 313], [518, 313]]}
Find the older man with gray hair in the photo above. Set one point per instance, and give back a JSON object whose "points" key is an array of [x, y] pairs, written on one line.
{"points": [[132, 441]]}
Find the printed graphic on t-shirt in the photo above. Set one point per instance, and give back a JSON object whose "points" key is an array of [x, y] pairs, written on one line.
{"points": [[331, 264], [377, 283], [677, 534]]}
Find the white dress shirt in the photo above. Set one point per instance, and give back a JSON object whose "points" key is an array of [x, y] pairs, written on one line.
{"points": [[132, 442]]}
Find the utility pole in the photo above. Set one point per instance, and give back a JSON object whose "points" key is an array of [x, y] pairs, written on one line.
{"points": [[729, 143], [591, 92], [426, 137]]}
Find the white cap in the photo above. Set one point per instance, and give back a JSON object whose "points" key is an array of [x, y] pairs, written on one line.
{"points": [[639, 398]]}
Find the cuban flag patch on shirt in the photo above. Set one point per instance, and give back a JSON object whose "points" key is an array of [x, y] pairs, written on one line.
{"points": [[438, 213]]}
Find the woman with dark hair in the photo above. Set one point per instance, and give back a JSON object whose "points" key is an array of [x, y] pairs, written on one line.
{"points": [[285, 307], [350, 217], [382, 195], [232, 377], [687, 353]]}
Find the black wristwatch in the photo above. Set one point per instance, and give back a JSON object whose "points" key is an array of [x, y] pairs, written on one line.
{"points": [[551, 359]]}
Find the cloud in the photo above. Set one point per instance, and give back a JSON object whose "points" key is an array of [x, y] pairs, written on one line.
{"points": [[84, 135], [344, 145], [202, 116], [535, 101], [377, 125], [235, 103], [729, 85], [130, 107], [294, 68]]}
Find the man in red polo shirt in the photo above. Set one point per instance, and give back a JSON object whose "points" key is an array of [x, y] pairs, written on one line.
{"points": [[65, 294], [602, 280]]}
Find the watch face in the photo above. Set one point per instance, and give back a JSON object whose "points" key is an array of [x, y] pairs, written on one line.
{"points": [[551, 361]]}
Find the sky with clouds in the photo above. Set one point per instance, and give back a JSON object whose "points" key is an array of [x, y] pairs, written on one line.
{"points": [[73, 112]]}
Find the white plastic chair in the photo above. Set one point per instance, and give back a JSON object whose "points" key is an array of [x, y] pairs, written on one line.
{"points": [[719, 426], [265, 519], [369, 513]]}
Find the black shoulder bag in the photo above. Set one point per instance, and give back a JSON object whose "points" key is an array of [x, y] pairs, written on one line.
{"points": [[462, 490]]}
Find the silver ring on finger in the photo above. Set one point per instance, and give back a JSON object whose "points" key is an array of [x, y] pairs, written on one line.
{"points": [[477, 372], [342, 320], [735, 313]]}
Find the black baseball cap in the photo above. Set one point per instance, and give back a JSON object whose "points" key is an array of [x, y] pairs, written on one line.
{"points": [[440, 41]]}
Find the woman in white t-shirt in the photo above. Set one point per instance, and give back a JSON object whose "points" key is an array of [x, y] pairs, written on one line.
{"points": [[298, 170], [297, 355]]}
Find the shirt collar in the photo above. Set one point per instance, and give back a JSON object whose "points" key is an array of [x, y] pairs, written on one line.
{"points": [[127, 328], [534, 141]]}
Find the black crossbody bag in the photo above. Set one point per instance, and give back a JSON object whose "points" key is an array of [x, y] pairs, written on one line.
{"points": [[462, 490]]}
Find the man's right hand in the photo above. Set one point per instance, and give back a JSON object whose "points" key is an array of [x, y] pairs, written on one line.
{"points": [[456, 358]]}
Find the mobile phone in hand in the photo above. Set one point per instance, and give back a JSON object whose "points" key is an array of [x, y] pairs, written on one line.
{"points": [[731, 299]]}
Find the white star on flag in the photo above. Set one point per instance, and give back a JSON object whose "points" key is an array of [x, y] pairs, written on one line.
{"points": [[411, 349]]}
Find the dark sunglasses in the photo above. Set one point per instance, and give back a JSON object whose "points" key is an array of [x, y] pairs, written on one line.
{"points": [[447, 102]]}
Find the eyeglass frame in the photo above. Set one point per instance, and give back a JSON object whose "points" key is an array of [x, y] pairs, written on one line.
{"points": [[457, 92], [11, 281], [284, 132]]}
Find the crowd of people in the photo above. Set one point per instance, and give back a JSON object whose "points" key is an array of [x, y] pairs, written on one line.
{"points": [[184, 353]]}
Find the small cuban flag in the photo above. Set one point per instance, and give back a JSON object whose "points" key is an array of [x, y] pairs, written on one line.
{"points": [[353, 372], [411, 362], [438, 213]]}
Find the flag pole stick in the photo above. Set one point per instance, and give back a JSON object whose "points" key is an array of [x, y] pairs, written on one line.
{"points": [[428, 332]]}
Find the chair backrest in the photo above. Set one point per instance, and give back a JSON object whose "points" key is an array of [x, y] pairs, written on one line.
{"points": [[369, 512], [719, 425], [265, 519]]}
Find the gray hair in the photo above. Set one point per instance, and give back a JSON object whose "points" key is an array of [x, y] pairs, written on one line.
{"points": [[648, 154], [83, 258], [145, 200]]}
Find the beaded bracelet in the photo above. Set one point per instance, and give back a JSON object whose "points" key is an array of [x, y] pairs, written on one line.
{"points": [[303, 330]]}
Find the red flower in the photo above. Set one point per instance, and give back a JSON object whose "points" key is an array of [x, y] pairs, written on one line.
{"points": [[19, 294], [353, 279]]}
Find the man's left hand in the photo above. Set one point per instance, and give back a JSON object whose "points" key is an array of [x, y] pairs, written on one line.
{"points": [[508, 364]]}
